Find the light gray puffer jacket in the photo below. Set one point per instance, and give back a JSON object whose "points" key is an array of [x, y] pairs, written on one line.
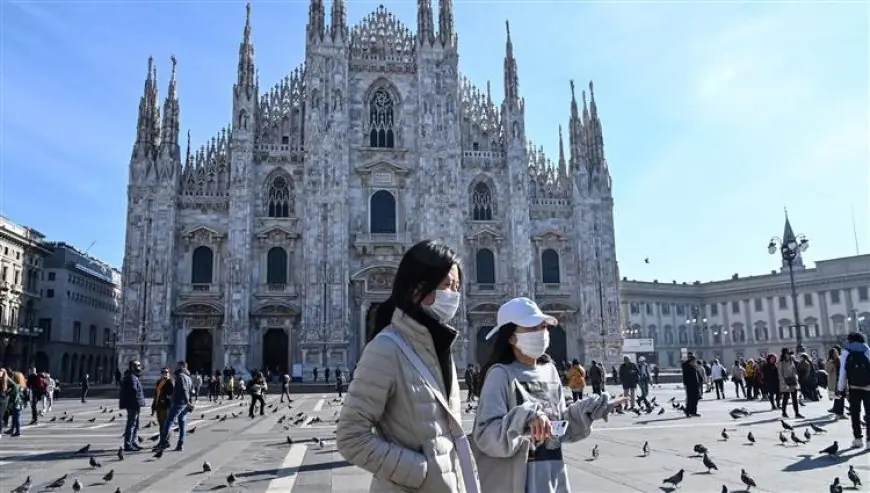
{"points": [[391, 423]]}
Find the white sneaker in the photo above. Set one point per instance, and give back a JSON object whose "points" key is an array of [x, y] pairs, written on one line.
{"points": [[858, 443]]}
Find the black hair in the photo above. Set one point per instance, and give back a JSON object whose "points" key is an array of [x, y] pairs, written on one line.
{"points": [[503, 351], [423, 267], [856, 337]]}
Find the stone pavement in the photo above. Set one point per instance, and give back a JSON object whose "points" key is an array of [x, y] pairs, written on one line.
{"points": [[256, 451]]}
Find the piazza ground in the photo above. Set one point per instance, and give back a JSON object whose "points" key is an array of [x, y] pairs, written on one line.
{"points": [[256, 451]]}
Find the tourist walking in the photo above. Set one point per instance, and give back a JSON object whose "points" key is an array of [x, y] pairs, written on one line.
{"points": [[576, 377], [855, 377], [131, 398], [693, 382], [628, 377], [162, 400], [788, 382], [522, 419], [738, 373], [401, 419], [182, 395]]}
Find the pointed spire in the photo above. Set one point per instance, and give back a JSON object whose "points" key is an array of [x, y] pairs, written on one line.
{"points": [[445, 22], [338, 28], [788, 233], [188, 160], [511, 79], [247, 74], [563, 165], [425, 23], [169, 139], [316, 21]]}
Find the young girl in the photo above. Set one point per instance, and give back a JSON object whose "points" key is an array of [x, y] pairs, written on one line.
{"points": [[519, 427]]}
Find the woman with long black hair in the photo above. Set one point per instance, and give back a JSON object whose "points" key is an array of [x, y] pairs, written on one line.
{"points": [[401, 419], [522, 417]]}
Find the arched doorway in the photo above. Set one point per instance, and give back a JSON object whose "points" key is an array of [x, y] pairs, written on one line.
{"points": [[42, 363], [276, 346], [64, 368], [74, 369], [558, 345], [371, 316], [199, 350], [484, 347]]}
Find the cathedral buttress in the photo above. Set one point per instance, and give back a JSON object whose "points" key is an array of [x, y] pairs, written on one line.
{"points": [[593, 224], [513, 117], [326, 237], [237, 251]]}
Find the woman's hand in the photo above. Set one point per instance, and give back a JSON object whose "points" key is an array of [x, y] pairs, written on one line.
{"points": [[541, 428]]}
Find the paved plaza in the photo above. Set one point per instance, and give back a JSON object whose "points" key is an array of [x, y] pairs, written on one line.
{"points": [[257, 453]]}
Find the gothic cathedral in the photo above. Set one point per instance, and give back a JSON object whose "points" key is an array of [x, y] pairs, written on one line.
{"points": [[272, 244]]}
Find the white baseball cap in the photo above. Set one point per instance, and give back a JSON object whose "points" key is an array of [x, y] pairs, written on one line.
{"points": [[522, 312]]}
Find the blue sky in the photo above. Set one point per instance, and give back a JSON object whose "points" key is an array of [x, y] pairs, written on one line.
{"points": [[715, 115]]}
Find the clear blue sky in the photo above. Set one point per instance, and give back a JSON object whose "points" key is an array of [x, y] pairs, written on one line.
{"points": [[715, 115]]}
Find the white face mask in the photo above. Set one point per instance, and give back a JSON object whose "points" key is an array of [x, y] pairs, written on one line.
{"points": [[533, 344], [445, 306]]}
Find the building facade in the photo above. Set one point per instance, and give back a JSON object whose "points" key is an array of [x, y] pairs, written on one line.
{"points": [[21, 262], [273, 244], [751, 316], [79, 315]]}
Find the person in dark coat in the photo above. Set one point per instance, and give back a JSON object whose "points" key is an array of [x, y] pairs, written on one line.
{"points": [[132, 399], [770, 376], [693, 381]]}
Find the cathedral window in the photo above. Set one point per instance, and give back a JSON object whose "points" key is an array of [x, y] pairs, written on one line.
{"points": [[485, 266], [698, 336], [276, 266], [669, 335], [279, 201], [202, 266], [382, 213], [550, 267], [653, 333], [481, 203], [381, 114]]}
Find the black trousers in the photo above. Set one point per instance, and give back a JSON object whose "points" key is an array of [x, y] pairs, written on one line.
{"points": [[692, 398], [858, 398], [794, 402], [577, 394], [596, 388], [720, 388], [255, 398], [738, 385]]}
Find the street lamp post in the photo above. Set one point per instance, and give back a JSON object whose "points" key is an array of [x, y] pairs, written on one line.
{"points": [[789, 248]]}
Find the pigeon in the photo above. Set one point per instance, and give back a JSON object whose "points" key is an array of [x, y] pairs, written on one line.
{"points": [[52, 420], [807, 434], [818, 429], [118, 490], [661, 411], [24, 487], [676, 479], [645, 449], [109, 476], [796, 439], [747, 479], [57, 483], [831, 450], [724, 434], [750, 437], [782, 438], [724, 489], [595, 452], [786, 426], [206, 467], [84, 450], [700, 449], [93, 463], [836, 487], [92, 420], [853, 477], [231, 479], [77, 485], [192, 430], [289, 441], [709, 464]]}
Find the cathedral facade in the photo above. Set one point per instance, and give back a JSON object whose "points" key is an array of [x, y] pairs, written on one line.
{"points": [[272, 244]]}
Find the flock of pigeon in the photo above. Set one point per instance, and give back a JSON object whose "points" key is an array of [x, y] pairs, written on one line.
{"points": [[786, 436], [287, 421]]}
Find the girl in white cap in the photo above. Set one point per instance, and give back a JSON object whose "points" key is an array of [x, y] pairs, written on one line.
{"points": [[522, 418]]}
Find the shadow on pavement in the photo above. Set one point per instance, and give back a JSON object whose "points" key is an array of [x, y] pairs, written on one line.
{"points": [[809, 462]]}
